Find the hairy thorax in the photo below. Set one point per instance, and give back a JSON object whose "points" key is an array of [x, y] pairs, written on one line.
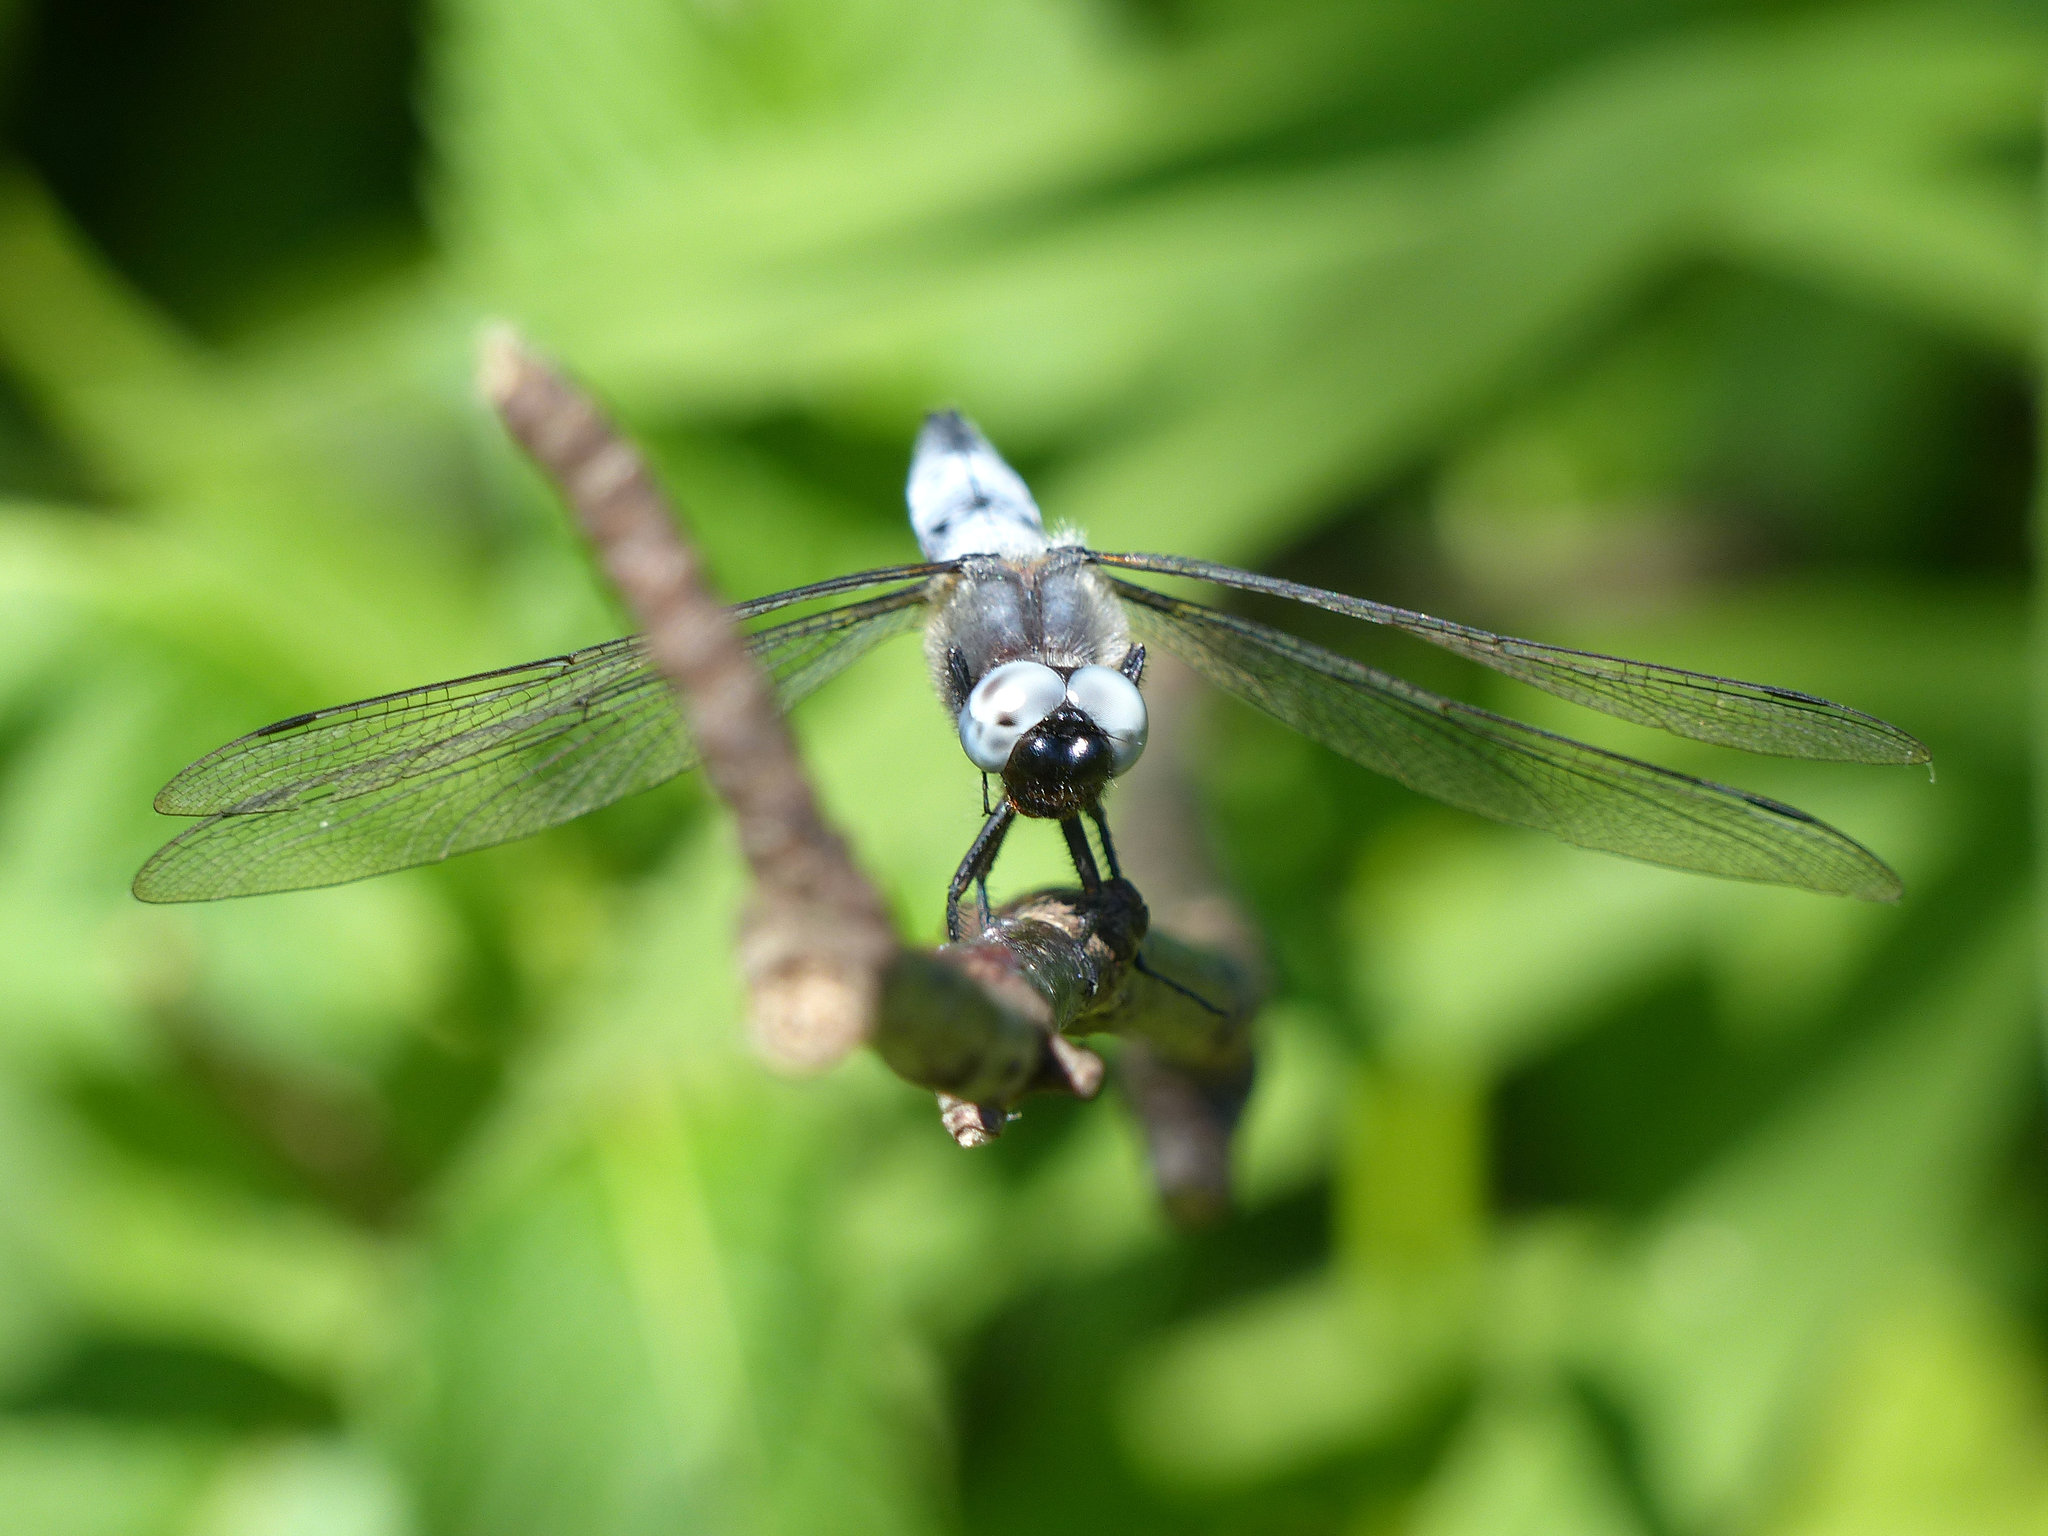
{"points": [[1055, 608]]}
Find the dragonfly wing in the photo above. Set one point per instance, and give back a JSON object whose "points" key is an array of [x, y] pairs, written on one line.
{"points": [[881, 576], [1498, 768], [416, 777], [1753, 716]]}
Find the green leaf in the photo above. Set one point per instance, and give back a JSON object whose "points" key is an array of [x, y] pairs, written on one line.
{"points": [[86, 1480], [1740, 1290], [1526, 1464]]}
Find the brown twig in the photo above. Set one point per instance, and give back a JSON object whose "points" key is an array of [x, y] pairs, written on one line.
{"points": [[816, 937], [983, 1022]]}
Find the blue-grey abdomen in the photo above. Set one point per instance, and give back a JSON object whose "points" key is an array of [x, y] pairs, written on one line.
{"points": [[964, 500]]}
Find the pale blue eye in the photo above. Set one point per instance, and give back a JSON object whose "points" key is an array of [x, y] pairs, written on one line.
{"points": [[1005, 704], [1113, 702]]}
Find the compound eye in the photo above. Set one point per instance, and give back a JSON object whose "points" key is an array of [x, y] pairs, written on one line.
{"points": [[1005, 704], [1113, 703]]}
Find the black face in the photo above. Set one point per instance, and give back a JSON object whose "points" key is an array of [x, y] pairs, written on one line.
{"points": [[1059, 767]]}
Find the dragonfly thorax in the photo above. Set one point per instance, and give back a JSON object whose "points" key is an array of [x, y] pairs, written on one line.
{"points": [[1054, 609]]}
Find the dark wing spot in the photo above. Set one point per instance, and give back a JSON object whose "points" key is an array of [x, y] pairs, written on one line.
{"points": [[286, 725]]}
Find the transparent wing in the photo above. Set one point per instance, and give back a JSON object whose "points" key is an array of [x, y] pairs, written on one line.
{"points": [[1510, 772], [352, 749], [1753, 716], [416, 777]]}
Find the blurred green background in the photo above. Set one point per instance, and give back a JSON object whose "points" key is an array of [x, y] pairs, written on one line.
{"points": [[1578, 1196]]}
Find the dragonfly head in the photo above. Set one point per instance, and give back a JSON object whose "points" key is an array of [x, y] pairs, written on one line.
{"points": [[1056, 740]]}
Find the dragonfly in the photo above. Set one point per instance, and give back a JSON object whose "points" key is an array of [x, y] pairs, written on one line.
{"points": [[1036, 645]]}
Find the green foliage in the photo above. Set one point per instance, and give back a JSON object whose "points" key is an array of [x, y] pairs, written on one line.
{"points": [[1578, 1195]]}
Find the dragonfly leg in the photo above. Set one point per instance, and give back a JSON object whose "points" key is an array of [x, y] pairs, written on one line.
{"points": [[981, 884], [974, 868], [1133, 664], [1167, 981], [1101, 820], [1083, 855]]}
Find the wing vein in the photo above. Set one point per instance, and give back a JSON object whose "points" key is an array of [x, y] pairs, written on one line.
{"points": [[1503, 769], [1756, 717], [416, 777]]}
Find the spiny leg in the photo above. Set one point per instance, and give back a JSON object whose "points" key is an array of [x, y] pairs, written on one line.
{"points": [[973, 870], [981, 885], [1101, 819], [1082, 854], [1167, 981]]}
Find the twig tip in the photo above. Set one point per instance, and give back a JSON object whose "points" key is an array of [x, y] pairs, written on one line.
{"points": [[808, 1017], [502, 355], [971, 1125], [1073, 1068]]}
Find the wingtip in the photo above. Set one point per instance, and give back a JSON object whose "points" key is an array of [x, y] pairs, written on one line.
{"points": [[182, 797], [150, 884], [1909, 750]]}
